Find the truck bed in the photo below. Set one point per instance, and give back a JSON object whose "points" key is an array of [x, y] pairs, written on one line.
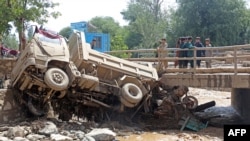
{"points": [[108, 67]]}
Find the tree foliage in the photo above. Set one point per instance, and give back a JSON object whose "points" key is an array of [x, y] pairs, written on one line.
{"points": [[118, 42], [20, 12], [105, 25], [10, 41], [226, 22], [147, 22], [66, 32]]}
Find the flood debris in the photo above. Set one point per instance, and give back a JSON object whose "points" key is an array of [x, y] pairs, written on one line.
{"points": [[192, 123]]}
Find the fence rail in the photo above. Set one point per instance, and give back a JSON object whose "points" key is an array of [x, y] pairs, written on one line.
{"points": [[238, 52]]}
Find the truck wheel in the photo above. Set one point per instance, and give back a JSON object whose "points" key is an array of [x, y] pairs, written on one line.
{"points": [[126, 103], [132, 93], [56, 79], [190, 102]]}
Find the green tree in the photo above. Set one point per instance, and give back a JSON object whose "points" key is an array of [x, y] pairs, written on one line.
{"points": [[148, 22], [105, 25], [11, 41], [5, 18], [118, 43], [224, 21], [66, 32], [20, 12]]}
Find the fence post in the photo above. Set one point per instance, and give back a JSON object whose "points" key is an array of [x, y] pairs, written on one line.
{"points": [[235, 61], [194, 60]]}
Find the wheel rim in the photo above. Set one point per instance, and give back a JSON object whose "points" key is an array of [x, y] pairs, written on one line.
{"points": [[57, 77]]}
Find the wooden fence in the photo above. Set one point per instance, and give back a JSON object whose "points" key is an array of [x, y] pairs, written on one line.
{"points": [[238, 52]]}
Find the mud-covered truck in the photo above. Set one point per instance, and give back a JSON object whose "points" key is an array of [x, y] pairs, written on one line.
{"points": [[72, 78]]}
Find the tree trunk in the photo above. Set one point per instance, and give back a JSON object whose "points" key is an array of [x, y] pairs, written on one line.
{"points": [[22, 39]]}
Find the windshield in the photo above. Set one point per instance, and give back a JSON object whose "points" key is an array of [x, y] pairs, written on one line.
{"points": [[43, 38]]}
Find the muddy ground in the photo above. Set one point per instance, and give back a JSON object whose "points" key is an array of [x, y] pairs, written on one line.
{"points": [[222, 113]]}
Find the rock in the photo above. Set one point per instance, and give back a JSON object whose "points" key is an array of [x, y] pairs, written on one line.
{"points": [[4, 139], [35, 137], [1, 102], [50, 128], [4, 128], [20, 139], [27, 130], [72, 126], [15, 132], [88, 138], [65, 133], [3, 134], [79, 134], [59, 137], [103, 134], [68, 134]]}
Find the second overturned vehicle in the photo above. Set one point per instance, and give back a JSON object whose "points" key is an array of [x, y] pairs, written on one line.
{"points": [[74, 79]]}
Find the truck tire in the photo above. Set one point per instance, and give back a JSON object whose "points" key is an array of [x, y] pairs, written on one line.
{"points": [[126, 103], [132, 93], [56, 79]]}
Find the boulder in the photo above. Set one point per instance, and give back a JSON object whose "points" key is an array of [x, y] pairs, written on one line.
{"points": [[20, 139], [15, 132], [35, 137], [79, 134], [88, 138], [50, 128], [4, 139], [102, 134], [59, 137]]}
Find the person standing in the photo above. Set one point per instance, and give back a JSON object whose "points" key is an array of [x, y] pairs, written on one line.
{"points": [[208, 53], [199, 53], [162, 54], [182, 53], [190, 53], [185, 52]]}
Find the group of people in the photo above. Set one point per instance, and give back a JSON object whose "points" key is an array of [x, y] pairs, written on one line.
{"points": [[187, 43]]}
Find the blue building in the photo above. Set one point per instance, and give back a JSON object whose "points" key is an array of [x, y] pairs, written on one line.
{"points": [[102, 39]]}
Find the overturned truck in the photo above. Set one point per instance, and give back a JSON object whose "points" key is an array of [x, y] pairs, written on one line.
{"points": [[73, 79]]}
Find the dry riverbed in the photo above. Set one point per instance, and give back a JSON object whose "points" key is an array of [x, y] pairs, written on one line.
{"points": [[41, 129]]}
